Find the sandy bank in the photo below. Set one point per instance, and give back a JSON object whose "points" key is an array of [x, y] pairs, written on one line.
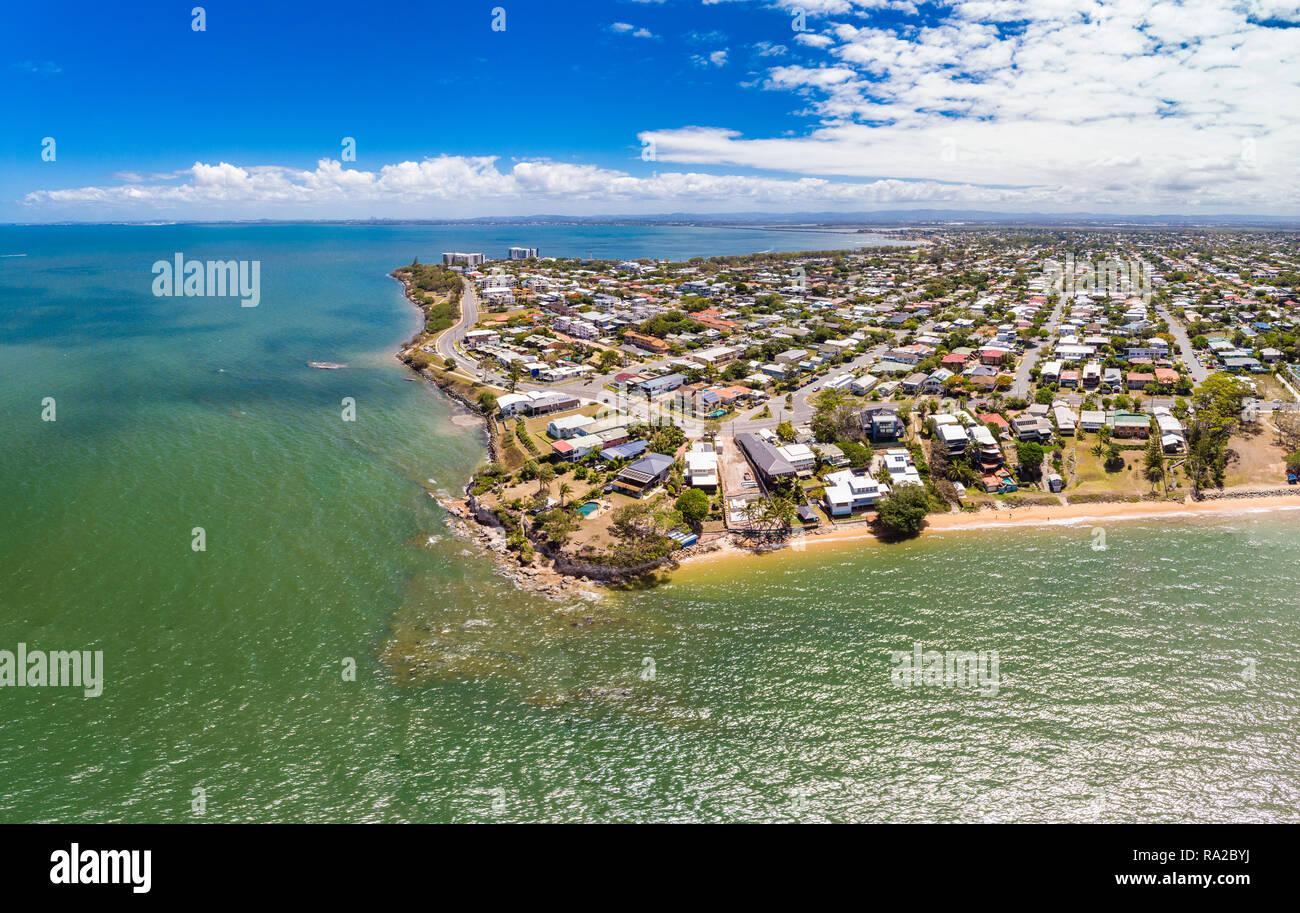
{"points": [[1230, 503]]}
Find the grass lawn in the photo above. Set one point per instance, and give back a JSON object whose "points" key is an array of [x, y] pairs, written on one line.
{"points": [[1089, 475]]}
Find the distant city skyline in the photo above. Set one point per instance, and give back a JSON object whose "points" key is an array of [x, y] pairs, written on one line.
{"points": [[448, 111]]}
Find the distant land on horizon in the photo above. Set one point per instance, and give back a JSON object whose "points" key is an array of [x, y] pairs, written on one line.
{"points": [[884, 219]]}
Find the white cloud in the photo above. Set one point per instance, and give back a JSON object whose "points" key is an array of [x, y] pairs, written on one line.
{"points": [[477, 180], [714, 59], [627, 28], [1150, 99]]}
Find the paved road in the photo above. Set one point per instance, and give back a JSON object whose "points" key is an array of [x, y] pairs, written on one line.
{"points": [[1185, 346], [455, 335], [1020, 385]]}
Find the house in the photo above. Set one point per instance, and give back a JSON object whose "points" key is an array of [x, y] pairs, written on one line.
{"points": [[1172, 438], [624, 451], [567, 426], [766, 460], [861, 386], [701, 469], [1243, 363], [514, 403], [912, 383], [1031, 428], [934, 383], [898, 463], [831, 455], [645, 474], [1066, 420], [990, 452], [547, 403], [800, 456], [647, 343], [1092, 419], [881, 422], [850, 490], [577, 447], [716, 356], [665, 383], [1135, 380], [953, 437], [1054, 482], [1130, 424]]}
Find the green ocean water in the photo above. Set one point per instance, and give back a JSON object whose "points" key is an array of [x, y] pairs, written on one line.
{"points": [[1155, 680]]}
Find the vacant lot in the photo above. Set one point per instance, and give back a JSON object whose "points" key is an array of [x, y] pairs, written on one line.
{"points": [[1255, 458], [1089, 475]]}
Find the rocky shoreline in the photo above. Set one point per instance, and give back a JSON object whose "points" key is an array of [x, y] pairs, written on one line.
{"points": [[465, 519]]}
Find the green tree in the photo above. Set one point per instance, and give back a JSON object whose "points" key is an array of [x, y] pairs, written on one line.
{"points": [[1030, 454], [903, 510], [1155, 461], [545, 475], [693, 505], [785, 431]]}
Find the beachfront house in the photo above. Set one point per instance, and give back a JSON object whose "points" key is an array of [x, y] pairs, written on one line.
{"points": [[701, 469], [850, 490]]}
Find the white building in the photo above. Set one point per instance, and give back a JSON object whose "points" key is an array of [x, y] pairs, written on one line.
{"points": [[567, 426], [701, 469], [849, 490], [455, 258]]}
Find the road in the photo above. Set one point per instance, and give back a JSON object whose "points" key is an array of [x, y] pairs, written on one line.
{"points": [[1020, 385], [453, 336], [1185, 346]]}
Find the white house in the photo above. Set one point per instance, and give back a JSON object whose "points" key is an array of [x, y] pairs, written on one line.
{"points": [[849, 490], [567, 426], [701, 469]]}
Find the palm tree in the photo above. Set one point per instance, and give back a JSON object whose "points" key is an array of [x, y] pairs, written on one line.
{"points": [[545, 475], [565, 491]]}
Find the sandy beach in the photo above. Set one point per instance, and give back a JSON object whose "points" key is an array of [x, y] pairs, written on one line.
{"points": [[1231, 503]]}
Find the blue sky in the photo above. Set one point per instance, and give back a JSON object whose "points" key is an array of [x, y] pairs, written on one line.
{"points": [[1126, 106]]}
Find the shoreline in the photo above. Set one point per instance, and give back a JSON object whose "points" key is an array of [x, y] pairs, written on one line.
{"points": [[463, 522], [1231, 502]]}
